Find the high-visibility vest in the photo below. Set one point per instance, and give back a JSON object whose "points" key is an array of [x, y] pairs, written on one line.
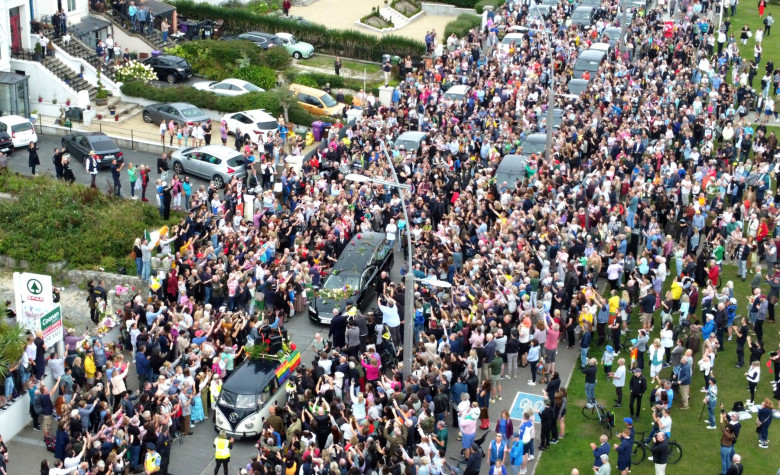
{"points": [[223, 448], [215, 389], [152, 462]]}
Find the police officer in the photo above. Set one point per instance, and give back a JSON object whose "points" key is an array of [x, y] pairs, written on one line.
{"points": [[164, 449], [152, 459], [222, 452]]}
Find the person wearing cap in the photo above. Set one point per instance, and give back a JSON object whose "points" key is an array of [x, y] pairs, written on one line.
{"points": [[222, 447], [638, 387], [152, 459], [625, 448]]}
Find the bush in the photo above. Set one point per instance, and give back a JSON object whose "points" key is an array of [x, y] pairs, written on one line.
{"points": [[207, 100], [346, 43], [479, 7], [52, 221], [461, 25], [306, 80], [218, 60], [459, 3], [276, 58], [260, 76]]}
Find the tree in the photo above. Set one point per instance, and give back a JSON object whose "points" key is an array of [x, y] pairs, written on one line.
{"points": [[286, 99], [12, 342]]}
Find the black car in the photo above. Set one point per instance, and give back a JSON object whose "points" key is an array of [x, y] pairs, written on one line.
{"points": [[6, 143], [79, 144], [263, 40], [169, 68], [352, 279]]}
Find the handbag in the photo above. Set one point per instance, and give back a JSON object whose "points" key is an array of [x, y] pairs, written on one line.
{"points": [[759, 422]]}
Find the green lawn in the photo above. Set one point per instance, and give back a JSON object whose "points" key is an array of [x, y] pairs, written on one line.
{"points": [[747, 13], [356, 67], [701, 447]]}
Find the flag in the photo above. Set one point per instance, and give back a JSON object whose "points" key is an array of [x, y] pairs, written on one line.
{"points": [[668, 29]]}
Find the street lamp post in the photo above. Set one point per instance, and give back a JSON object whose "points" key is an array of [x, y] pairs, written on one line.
{"points": [[551, 93], [409, 277]]}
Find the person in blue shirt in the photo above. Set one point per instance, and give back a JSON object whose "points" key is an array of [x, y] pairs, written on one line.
{"points": [[497, 450]]}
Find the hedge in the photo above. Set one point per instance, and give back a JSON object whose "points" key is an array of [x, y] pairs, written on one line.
{"points": [[479, 7], [347, 43], [207, 100], [461, 25], [51, 220], [218, 60]]}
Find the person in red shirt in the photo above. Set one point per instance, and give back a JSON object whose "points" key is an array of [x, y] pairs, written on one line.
{"points": [[714, 273]]}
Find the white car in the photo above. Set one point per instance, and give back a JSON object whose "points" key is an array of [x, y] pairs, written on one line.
{"points": [[257, 123], [228, 87], [20, 129]]}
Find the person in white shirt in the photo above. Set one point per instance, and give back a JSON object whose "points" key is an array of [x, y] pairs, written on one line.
{"points": [[619, 380], [391, 230]]}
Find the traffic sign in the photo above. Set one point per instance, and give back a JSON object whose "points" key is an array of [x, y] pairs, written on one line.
{"points": [[525, 401]]}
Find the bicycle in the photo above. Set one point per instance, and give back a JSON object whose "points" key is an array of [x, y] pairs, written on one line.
{"points": [[640, 449], [595, 411]]}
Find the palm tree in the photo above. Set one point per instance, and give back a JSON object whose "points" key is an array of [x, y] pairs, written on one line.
{"points": [[12, 342], [285, 98]]}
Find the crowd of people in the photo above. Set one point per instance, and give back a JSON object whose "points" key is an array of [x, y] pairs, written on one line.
{"points": [[657, 163]]}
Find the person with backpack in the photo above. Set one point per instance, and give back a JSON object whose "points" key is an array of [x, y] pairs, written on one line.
{"points": [[527, 434]]}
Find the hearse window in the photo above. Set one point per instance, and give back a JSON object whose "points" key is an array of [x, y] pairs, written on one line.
{"points": [[268, 392], [384, 248]]}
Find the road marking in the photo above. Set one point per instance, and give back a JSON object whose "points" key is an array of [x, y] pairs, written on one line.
{"points": [[28, 441]]}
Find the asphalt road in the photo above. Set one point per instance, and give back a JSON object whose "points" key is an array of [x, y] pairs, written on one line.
{"points": [[47, 144], [196, 455]]}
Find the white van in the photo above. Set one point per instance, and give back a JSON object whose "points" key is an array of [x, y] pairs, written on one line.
{"points": [[20, 129]]}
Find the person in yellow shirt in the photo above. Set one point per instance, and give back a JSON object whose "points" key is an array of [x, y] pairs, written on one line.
{"points": [[222, 452], [89, 366], [676, 294], [614, 305], [152, 459]]}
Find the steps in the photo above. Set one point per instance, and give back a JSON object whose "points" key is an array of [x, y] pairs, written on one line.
{"points": [[69, 76], [125, 111], [399, 20], [77, 49], [153, 39]]}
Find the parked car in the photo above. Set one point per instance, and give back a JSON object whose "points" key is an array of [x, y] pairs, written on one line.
{"points": [[410, 140], [228, 87], [212, 162], [169, 68], [457, 92], [583, 16], [590, 61], [509, 38], [298, 49], [511, 169], [19, 128], [316, 101], [181, 112], [255, 122], [577, 86], [299, 19], [79, 144], [6, 143], [263, 40], [356, 270]]}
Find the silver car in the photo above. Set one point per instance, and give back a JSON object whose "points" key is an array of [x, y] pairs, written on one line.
{"points": [[182, 113], [212, 162]]}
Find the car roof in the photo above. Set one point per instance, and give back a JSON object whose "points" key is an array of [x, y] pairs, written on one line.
{"points": [[354, 257], [592, 54], [251, 377], [218, 150], [411, 135], [256, 114], [513, 36], [283, 34], [536, 138], [180, 105], [583, 8], [13, 119], [458, 89], [511, 163], [600, 47], [99, 135], [234, 81], [260, 33]]}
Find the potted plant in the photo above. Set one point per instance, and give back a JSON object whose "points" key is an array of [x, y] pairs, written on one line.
{"points": [[81, 74], [54, 100], [67, 102], [112, 110], [101, 97], [116, 118], [40, 99], [37, 52], [99, 116]]}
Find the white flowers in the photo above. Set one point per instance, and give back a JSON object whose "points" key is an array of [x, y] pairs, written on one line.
{"points": [[135, 71]]}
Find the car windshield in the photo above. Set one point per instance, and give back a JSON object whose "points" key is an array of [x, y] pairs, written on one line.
{"points": [[533, 147], [182, 64], [102, 145], [237, 401], [268, 125], [328, 100], [293, 40], [251, 87], [588, 64], [191, 112], [339, 281], [581, 15], [508, 40], [21, 127]]}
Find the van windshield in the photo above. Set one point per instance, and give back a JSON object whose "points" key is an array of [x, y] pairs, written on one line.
{"points": [[237, 401]]}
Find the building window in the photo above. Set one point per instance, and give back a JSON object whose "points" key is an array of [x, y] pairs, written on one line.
{"points": [[71, 5]]}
